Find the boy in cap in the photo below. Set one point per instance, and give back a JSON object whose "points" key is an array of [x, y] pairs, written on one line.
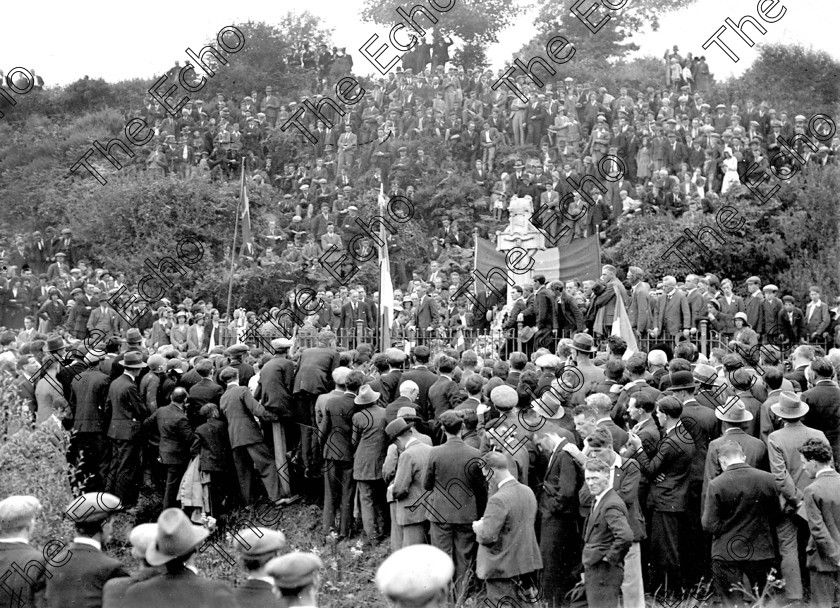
{"points": [[257, 547], [418, 575], [175, 545], [296, 578], [17, 523], [140, 538], [83, 559]]}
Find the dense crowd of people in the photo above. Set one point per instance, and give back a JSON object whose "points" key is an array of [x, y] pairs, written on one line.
{"points": [[642, 472]]}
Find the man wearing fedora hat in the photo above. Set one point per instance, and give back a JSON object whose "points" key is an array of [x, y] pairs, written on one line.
{"points": [[585, 375], [740, 512], [370, 442], [85, 568], [257, 547], [175, 545], [296, 578], [127, 415], [791, 480], [408, 488], [734, 417]]}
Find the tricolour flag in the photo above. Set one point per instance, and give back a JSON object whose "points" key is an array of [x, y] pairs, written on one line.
{"points": [[247, 238], [578, 258], [386, 287], [621, 326]]}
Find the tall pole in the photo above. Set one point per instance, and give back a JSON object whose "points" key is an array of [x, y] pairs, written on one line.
{"points": [[233, 245]]}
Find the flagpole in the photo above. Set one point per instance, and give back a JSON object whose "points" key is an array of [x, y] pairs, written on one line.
{"points": [[233, 246], [379, 334]]}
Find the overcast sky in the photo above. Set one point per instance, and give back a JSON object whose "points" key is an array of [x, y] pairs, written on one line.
{"points": [[67, 41]]}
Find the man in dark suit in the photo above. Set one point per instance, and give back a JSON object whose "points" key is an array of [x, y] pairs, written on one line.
{"points": [[176, 437], [178, 587], [444, 394], [205, 390], [336, 431], [257, 547], [87, 404], [674, 315], [607, 538], [24, 567], [458, 495], [354, 314], [603, 406], [246, 439], [313, 378], [558, 508], [817, 316], [127, 413], [626, 475], [389, 364], [545, 313], [423, 377], [508, 546], [369, 444], [741, 510], [277, 381], [83, 559], [791, 322], [669, 471], [823, 400], [103, 318], [428, 314], [822, 509]]}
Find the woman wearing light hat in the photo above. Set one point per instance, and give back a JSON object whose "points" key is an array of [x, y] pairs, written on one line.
{"points": [[174, 547]]}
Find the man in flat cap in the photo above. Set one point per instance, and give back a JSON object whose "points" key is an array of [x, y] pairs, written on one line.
{"points": [[174, 548], [140, 538], [24, 566], [296, 578], [277, 379], [257, 547], [508, 548], [418, 575], [83, 560]]}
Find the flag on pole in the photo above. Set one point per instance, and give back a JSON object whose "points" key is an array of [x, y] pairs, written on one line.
{"points": [[247, 240], [578, 258], [386, 287], [621, 326]]}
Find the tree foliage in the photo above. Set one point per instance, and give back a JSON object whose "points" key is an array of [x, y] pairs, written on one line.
{"points": [[476, 23]]}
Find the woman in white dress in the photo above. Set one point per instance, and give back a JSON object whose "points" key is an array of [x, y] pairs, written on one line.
{"points": [[730, 167]]}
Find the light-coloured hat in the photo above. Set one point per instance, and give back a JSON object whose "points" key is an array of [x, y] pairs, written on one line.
{"points": [[734, 411], [504, 397], [281, 343], [414, 574], [549, 361], [339, 374], [176, 536], [789, 406], [92, 507], [141, 537], [366, 395], [293, 570], [549, 405], [254, 542]]}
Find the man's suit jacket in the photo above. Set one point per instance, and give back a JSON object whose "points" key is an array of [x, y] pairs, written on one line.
{"points": [[87, 401], [239, 408], [113, 593], [674, 314], [563, 478], [607, 534], [424, 380], [818, 321], [428, 314], [408, 483], [741, 504], [786, 462], [392, 408], [277, 381], [336, 428], [619, 435], [507, 545], [104, 321], [822, 509], [824, 413], [183, 589], [454, 478], [754, 307], [126, 407], [386, 386], [79, 581], [770, 315], [29, 590], [673, 459], [194, 342], [696, 306], [626, 481], [443, 395], [640, 311], [369, 442], [728, 310], [205, 391], [255, 593], [176, 435], [544, 308], [314, 370], [755, 451], [792, 331], [350, 316], [703, 425]]}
